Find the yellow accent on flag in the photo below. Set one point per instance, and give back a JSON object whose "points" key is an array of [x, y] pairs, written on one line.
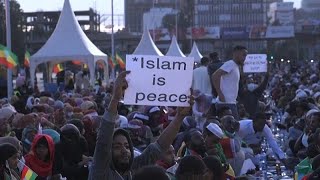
{"points": [[27, 59], [7, 58], [120, 61], [57, 68]]}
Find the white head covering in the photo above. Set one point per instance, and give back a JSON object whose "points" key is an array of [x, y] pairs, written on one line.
{"points": [[312, 111], [215, 129], [29, 102], [316, 95], [123, 121], [7, 111], [301, 94]]}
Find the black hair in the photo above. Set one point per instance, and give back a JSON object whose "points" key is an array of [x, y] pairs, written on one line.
{"points": [[239, 48], [214, 165], [312, 151], [188, 135], [6, 150], [151, 172], [222, 110], [259, 115], [204, 60], [212, 112], [213, 55], [316, 162], [189, 167], [78, 123]]}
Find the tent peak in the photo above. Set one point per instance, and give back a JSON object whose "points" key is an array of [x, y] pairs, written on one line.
{"points": [[146, 45], [174, 49]]}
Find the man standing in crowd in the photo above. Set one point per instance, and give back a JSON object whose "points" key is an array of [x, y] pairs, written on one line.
{"points": [[226, 80], [201, 80]]}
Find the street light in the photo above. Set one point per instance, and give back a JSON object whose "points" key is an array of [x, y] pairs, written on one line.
{"points": [[312, 60], [288, 61], [282, 60]]}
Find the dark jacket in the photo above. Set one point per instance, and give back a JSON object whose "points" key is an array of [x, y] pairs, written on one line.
{"points": [[102, 166], [250, 99], [213, 67]]}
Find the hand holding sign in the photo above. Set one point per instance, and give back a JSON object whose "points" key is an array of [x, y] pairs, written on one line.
{"points": [[255, 63], [120, 85], [184, 111]]}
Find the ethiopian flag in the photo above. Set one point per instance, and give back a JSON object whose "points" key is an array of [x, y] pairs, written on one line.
{"points": [[120, 61], [111, 62], [26, 172], [57, 68], [27, 59], [7, 58]]}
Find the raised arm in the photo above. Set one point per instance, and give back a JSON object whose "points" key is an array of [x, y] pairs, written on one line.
{"points": [[102, 154], [259, 90], [152, 153], [216, 78]]}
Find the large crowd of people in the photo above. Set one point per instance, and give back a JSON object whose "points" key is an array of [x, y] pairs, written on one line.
{"points": [[84, 132]]}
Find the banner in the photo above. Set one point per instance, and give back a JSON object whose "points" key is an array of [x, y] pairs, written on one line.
{"points": [[255, 63], [235, 33], [257, 32], [280, 32], [204, 33], [158, 80]]}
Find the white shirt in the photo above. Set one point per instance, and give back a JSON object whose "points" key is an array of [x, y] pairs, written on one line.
{"points": [[229, 82], [248, 135], [201, 80]]}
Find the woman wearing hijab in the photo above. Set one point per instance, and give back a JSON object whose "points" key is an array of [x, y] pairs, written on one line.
{"points": [[41, 157], [90, 135], [8, 160], [75, 163], [28, 135]]}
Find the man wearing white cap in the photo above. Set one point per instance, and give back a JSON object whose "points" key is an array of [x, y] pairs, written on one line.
{"points": [[213, 134]]}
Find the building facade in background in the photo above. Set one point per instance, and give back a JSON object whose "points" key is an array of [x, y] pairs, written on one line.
{"points": [[281, 13], [134, 10], [310, 5], [38, 26], [237, 21]]}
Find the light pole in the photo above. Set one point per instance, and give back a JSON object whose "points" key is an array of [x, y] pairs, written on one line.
{"points": [[113, 73], [8, 34]]}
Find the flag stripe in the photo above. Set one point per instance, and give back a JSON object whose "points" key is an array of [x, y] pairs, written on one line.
{"points": [[27, 59], [10, 57], [24, 171], [120, 62]]}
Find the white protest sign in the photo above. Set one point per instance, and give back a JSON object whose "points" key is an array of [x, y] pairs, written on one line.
{"points": [[255, 63], [158, 80]]}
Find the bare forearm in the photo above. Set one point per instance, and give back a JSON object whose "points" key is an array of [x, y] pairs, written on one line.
{"points": [[216, 83], [113, 106], [169, 134]]}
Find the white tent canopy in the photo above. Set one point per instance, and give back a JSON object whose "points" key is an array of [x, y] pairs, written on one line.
{"points": [[174, 49], [146, 46], [195, 53], [68, 42]]}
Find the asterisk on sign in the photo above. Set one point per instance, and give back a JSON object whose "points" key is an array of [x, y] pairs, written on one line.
{"points": [[135, 59]]}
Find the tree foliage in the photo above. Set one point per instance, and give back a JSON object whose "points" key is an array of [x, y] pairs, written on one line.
{"points": [[17, 35]]}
